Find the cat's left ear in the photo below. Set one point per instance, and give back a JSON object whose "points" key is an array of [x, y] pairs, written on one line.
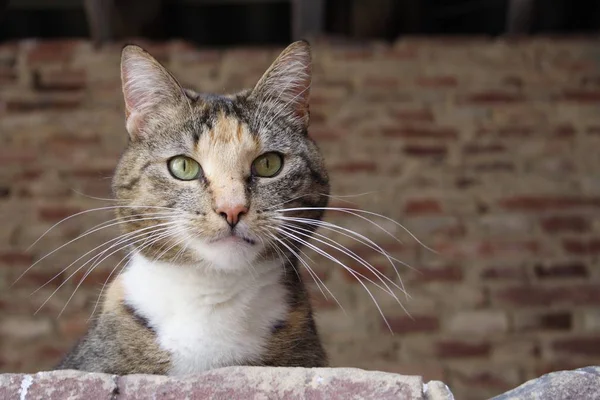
{"points": [[285, 86], [150, 91]]}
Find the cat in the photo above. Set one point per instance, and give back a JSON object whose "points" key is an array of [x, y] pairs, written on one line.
{"points": [[205, 188]]}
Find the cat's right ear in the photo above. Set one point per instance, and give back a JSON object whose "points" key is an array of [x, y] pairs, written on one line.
{"points": [[150, 91]]}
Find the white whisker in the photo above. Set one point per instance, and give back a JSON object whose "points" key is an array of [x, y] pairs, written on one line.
{"points": [[350, 270], [357, 237], [98, 262], [352, 255], [68, 243], [92, 210], [355, 213], [313, 274]]}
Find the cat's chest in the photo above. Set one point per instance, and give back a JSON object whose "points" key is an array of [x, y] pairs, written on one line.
{"points": [[204, 327]]}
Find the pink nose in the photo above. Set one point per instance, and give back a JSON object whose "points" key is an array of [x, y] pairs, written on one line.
{"points": [[232, 213]]}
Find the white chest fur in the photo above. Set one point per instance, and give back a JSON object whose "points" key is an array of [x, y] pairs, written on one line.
{"points": [[206, 320]]}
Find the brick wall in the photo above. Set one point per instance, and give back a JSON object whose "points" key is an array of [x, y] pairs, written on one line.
{"points": [[487, 151]]}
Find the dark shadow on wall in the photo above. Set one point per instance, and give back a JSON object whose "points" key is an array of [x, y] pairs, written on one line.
{"points": [[244, 22]]}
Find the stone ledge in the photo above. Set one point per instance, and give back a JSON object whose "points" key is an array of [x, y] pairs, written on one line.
{"points": [[225, 383]]}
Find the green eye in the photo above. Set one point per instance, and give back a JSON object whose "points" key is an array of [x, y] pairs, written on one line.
{"points": [[184, 168], [267, 165]]}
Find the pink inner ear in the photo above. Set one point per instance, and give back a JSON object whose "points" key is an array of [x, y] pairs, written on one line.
{"points": [[134, 123], [133, 94]]}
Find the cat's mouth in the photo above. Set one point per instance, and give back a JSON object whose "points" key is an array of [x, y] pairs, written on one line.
{"points": [[233, 238]]}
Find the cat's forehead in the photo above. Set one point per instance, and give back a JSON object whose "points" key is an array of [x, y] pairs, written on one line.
{"points": [[226, 133]]}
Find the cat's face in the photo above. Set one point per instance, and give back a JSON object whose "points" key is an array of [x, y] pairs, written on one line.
{"points": [[204, 176]]}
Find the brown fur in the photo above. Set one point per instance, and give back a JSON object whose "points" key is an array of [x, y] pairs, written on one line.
{"points": [[118, 342]]}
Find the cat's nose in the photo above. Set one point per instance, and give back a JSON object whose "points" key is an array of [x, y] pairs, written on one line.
{"points": [[232, 213]]}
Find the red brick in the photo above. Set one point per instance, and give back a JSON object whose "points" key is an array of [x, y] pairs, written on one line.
{"points": [[464, 183], [71, 140], [56, 213], [52, 51], [407, 324], [514, 81], [437, 81], [515, 131], [593, 130], [393, 248], [417, 115], [355, 167], [421, 133], [584, 346], [64, 79], [51, 352], [559, 271], [402, 53], [16, 258], [508, 272], [581, 96], [29, 174], [494, 166], [458, 349], [98, 276], [381, 82], [322, 134], [487, 379], [73, 326], [7, 75], [37, 277], [494, 97], [546, 203], [477, 149], [447, 273], [576, 65], [425, 151], [17, 156], [565, 223], [422, 207], [562, 321], [545, 296], [565, 131], [90, 172], [353, 54], [44, 101], [490, 248], [582, 246], [198, 56]]}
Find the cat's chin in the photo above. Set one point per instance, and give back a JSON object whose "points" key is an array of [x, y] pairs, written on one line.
{"points": [[231, 252], [233, 239]]}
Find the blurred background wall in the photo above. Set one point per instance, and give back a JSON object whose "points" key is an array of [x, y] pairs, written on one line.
{"points": [[485, 148]]}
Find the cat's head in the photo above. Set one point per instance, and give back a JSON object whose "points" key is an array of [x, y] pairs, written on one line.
{"points": [[204, 176]]}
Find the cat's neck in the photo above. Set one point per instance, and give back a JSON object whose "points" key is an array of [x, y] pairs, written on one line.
{"points": [[200, 284]]}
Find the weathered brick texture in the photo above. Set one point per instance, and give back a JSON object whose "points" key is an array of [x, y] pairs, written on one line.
{"points": [[225, 383], [486, 150]]}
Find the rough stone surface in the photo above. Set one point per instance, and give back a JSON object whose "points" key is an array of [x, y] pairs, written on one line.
{"points": [[583, 383], [225, 383], [487, 150]]}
